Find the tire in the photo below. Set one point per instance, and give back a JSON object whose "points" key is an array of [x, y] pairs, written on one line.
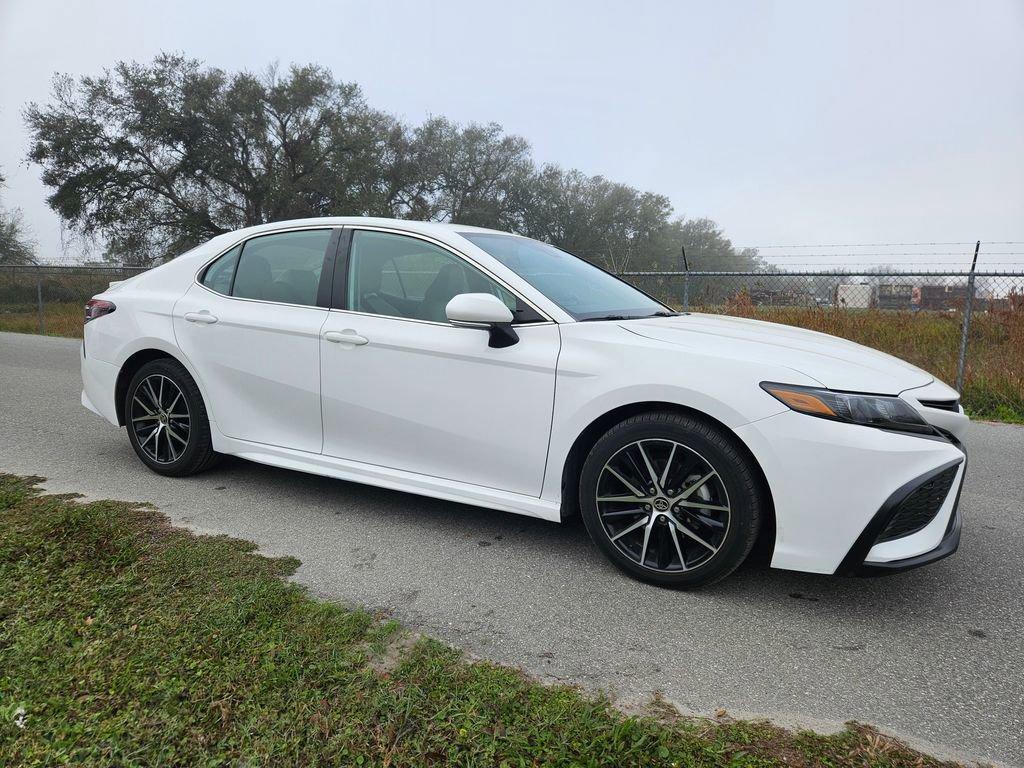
{"points": [[690, 475], [169, 439]]}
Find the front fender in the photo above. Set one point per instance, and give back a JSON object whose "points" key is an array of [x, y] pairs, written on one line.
{"points": [[602, 368]]}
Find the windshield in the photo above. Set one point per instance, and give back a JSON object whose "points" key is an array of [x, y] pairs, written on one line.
{"points": [[575, 285]]}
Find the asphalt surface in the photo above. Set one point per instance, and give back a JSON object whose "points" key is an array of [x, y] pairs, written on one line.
{"points": [[934, 655]]}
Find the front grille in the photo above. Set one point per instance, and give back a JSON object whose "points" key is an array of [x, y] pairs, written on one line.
{"points": [[920, 507], [952, 406]]}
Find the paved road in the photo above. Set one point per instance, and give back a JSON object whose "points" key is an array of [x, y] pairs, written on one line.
{"points": [[935, 655]]}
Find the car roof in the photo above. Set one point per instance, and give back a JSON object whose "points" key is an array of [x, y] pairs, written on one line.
{"points": [[409, 225]]}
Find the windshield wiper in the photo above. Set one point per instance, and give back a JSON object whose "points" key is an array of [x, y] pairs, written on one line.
{"points": [[660, 313]]}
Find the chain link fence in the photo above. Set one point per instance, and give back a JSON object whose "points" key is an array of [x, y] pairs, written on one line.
{"points": [[51, 299], [966, 328]]}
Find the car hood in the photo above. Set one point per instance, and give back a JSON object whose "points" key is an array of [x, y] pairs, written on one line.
{"points": [[835, 363]]}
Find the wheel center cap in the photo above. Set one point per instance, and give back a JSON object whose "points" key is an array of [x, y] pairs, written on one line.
{"points": [[661, 504]]}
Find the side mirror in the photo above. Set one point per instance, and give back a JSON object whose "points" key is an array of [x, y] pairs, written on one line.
{"points": [[483, 310]]}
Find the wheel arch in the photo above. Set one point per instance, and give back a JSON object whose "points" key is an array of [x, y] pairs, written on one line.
{"points": [[134, 362], [592, 433]]}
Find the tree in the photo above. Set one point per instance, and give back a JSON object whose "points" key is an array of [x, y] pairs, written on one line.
{"points": [[17, 248], [610, 224], [475, 173], [158, 158], [622, 228], [707, 247]]}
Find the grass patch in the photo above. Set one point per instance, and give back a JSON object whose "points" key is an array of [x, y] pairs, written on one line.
{"points": [[124, 641], [59, 319]]}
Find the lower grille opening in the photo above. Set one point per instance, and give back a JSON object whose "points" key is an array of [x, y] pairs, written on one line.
{"points": [[919, 508]]}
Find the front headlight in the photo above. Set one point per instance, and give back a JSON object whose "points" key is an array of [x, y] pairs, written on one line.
{"points": [[870, 410]]}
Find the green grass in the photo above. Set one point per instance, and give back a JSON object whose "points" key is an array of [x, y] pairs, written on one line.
{"points": [[124, 642], [63, 319]]}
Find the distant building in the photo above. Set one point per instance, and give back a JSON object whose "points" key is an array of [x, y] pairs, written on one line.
{"points": [[897, 296], [942, 297]]}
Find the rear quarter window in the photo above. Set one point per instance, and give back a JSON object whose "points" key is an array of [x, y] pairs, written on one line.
{"points": [[219, 274]]}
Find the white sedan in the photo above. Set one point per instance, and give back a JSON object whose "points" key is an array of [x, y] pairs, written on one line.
{"points": [[491, 369]]}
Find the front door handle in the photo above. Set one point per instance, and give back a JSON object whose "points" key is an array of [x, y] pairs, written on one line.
{"points": [[348, 336], [204, 317]]}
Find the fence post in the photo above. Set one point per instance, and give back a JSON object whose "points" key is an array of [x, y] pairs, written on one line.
{"points": [[686, 281], [961, 364], [39, 304]]}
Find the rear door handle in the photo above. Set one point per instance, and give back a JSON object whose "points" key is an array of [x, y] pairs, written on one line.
{"points": [[204, 317], [347, 336]]}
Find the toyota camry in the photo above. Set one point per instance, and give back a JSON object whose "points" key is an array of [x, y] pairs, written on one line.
{"points": [[491, 369]]}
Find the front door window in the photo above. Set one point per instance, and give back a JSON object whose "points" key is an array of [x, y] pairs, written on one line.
{"points": [[398, 276]]}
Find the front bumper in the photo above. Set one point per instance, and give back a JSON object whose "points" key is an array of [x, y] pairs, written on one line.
{"points": [[835, 485], [864, 558]]}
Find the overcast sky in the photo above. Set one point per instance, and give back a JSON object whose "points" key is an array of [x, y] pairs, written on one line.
{"points": [[786, 122]]}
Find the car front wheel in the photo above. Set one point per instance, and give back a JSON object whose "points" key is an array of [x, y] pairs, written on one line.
{"points": [[166, 420], [670, 499]]}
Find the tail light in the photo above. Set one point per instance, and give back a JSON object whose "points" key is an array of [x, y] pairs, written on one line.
{"points": [[98, 308]]}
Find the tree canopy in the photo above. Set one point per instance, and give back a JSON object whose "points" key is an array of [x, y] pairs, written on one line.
{"points": [[152, 159]]}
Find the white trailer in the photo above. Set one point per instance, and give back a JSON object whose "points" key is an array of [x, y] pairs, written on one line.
{"points": [[855, 296]]}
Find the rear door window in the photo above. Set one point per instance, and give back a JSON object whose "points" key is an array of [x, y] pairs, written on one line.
{"points": [[283, 267]]}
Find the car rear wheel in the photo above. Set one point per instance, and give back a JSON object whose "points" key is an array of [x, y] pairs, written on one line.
{"points": [[670, 499], [166, 420]]}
